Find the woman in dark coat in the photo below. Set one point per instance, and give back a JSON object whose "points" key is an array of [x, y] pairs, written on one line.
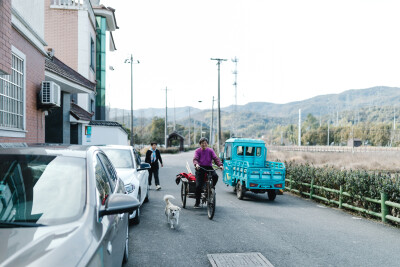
{"points": [[153, 156]]}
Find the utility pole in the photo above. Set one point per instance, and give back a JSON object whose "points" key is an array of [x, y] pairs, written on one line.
{"points": [[189, 126], [219, 102], [299, 141], [235, 60], [212, 123], [130, 61], [166, 116], [328, 132], [194, 132], [394, 119], [174, 117]]}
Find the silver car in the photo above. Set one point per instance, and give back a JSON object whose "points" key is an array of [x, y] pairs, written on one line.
{"points": [[133, 173], [62, 206]]}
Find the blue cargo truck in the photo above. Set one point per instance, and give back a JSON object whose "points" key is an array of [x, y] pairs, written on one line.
{"points": [[246, 168]]}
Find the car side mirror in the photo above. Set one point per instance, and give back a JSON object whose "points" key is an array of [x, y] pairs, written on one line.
{"points": [[119, 203], [144, 166]]}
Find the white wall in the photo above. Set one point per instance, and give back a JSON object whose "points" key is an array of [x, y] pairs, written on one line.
{"points": [[33, 12], [86, 32], [105, 135]]}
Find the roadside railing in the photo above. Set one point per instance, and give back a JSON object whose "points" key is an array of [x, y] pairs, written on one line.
{"points": [[361, 149], [383, 201]]}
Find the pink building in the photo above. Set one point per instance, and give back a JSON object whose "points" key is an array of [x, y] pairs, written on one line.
{"points": [[22, 57]]}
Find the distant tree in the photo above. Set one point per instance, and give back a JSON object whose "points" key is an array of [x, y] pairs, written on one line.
{"points": [[310, 123], [157, 131]]}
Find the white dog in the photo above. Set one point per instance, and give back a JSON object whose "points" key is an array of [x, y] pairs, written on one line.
{"points": [[171, 211]]}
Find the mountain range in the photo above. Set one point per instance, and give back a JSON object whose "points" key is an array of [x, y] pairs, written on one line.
{"points": [[350, 100]]}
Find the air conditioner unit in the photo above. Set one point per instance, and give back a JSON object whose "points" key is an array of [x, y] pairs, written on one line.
{"points": [[50, 94]]}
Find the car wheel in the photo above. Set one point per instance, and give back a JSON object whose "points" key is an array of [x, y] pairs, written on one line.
{"points": [[271, 194], [147, 195], [240, 189], [136, 219], [126, 250]]}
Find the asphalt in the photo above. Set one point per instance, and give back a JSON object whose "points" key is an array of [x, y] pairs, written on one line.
{"points": [[290, 231]]}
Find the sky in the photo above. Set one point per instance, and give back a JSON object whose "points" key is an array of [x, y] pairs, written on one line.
{"points": [[287, 50]]}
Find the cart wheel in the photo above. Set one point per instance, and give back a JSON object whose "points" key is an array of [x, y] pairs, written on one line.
{"points": [[240, 189], [211, 203], [271, 194], [183, 194]]}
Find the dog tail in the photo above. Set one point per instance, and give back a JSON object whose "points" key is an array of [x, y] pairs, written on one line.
{"points": [[168, 197]]}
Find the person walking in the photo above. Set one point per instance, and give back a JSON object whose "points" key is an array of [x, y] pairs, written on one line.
{"points": [[153, 156]]}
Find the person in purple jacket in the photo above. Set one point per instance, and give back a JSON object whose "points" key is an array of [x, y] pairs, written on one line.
{"points": [[203, 157]]}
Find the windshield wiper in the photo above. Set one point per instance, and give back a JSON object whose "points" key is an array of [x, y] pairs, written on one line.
{"points": [[19, 224]]}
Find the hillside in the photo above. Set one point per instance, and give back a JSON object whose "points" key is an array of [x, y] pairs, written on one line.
{"points": [[368, 105]]}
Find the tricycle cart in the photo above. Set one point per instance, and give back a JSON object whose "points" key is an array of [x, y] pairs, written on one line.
{"points": [[188, 189]]}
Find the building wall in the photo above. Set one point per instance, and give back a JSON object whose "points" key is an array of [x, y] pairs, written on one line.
{"points": [[26, 9], [5, 36], [61, 33], [105, 135], [87, 32], [34, 76]]}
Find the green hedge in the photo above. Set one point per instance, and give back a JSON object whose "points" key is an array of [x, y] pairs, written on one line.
{"points": [[355, 182]]}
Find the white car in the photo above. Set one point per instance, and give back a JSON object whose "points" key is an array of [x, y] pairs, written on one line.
{"points": [[132, 172]]}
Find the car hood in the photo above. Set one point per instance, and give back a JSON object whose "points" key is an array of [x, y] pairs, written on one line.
{"points": [[127, 175], [41, 246]]}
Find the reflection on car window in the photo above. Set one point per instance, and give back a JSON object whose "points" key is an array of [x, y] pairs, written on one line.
{"points": [[102, 184], [239, 151], [250, 151], [109, 169], [119, 158], [41, 189], [228, 153], [138, 159]]}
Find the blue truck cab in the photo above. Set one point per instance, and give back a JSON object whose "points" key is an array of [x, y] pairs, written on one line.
{"points": [[246, 168]]}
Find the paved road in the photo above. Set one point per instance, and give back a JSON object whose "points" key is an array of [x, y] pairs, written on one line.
{"points": [[289, 231]]}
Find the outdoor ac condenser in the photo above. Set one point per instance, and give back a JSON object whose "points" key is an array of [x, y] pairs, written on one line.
{"points": [[50, 94]]}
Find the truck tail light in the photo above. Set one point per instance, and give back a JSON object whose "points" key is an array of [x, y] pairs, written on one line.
{"points": [[253, 185], [278, 185]]}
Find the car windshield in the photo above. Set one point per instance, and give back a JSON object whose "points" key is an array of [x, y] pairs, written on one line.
{"points": [[119, 158], [41, 190]]}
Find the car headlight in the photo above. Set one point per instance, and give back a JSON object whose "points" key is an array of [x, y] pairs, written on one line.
{"points": [[129, 188]]}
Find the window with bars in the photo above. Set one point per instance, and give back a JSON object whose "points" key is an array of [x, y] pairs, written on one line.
{"points": [[12, 96]]}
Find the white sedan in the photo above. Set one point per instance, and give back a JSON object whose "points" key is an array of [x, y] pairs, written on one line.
{"points": [[132, 172]]}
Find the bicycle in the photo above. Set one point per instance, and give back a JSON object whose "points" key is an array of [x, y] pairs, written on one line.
{"points": [[208, 195]]}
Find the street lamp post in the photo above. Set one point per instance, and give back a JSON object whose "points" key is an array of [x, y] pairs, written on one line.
{"points": [[219, 108], [130, 61]]}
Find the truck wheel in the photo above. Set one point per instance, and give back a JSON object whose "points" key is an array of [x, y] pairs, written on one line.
{"points": [[240, 189], [271, 195]]}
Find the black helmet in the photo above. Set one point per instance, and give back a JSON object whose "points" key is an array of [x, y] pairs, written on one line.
{"points": [[202, 140]]}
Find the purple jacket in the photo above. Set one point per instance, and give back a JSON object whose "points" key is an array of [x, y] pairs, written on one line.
{"points": [[205, 157]]}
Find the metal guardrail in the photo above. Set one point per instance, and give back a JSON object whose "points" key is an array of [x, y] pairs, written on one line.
{"points": [[361, 149], [385, 204]]}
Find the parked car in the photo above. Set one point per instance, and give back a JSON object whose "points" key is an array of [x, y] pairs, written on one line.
{"points": [[133, 173], [62, 206]]}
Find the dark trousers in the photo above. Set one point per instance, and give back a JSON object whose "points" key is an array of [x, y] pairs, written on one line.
{"points": [[155, 172], [200, 174]]}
